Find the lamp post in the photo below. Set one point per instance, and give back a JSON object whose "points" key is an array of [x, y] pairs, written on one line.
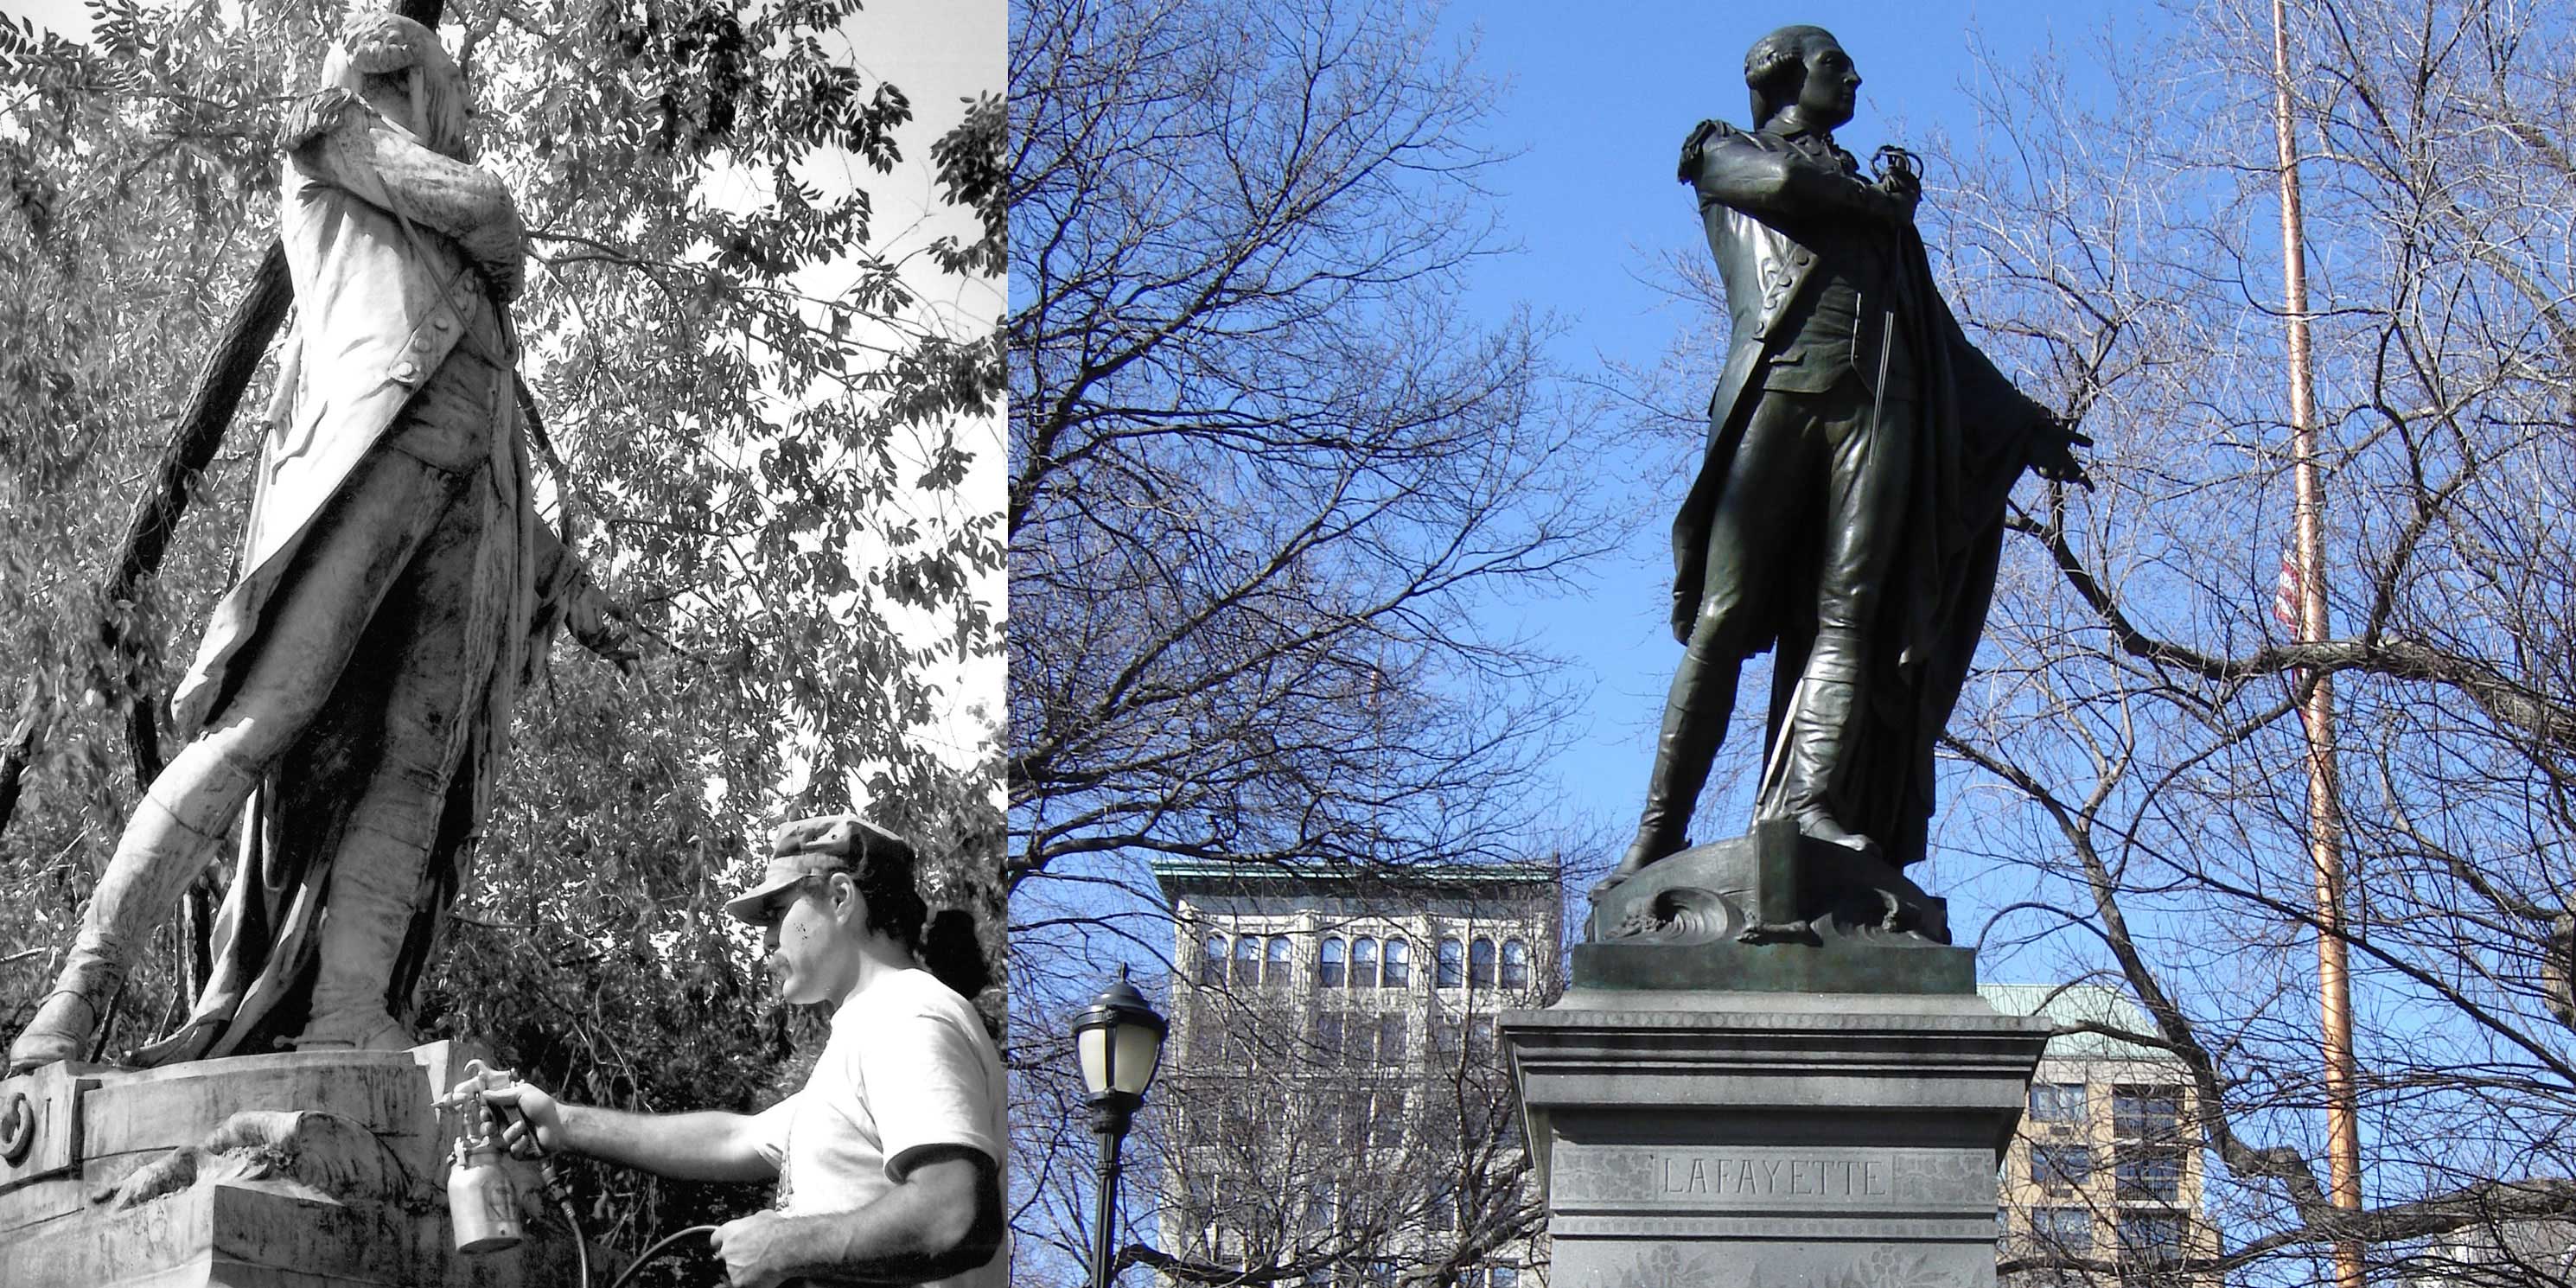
{"points": [[1120, 1041]]}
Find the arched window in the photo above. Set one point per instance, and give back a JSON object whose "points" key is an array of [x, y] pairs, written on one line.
{"points": [[1515, 964], [1363, 962], [1274, 968], [1247, 961], [1453, 963], [1480, 963], [1212, 960], [1328, 965], [1399, 965]]}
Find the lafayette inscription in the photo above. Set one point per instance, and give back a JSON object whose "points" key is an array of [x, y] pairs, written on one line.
{"points": [[1791, 1177]]}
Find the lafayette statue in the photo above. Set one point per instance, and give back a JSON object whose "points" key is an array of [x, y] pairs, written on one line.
{"points": [[1849, 505], [350, 698]]}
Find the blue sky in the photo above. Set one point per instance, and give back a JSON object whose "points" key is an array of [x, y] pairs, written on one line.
{"points": [[1593, 104]]}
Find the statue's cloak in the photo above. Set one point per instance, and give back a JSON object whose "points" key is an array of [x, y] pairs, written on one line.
{"points": [[1974, 433]]}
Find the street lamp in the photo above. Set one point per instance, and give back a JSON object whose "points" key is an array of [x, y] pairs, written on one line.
{"points": [[1120, 1041]]}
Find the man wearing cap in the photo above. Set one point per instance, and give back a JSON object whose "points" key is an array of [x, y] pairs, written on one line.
{"points": [[889, 1160]]}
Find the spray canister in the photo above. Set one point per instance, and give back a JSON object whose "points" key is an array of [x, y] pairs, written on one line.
{"points": [[481, 1202]]}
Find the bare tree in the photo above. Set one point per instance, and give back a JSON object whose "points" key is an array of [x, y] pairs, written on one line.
{"points": [[1266, 474]]}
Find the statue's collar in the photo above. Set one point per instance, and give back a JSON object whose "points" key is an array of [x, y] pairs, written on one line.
{"points": [[1805, 136]]}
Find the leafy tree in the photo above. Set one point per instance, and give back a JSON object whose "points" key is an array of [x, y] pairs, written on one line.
{"points": [[768, 442]]}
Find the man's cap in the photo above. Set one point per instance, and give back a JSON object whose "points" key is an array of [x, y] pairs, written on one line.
{"points": [[814, 846]]}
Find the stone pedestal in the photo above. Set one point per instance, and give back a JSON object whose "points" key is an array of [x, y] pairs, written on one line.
{"points": [[1815, 1097], [356, 1202]]}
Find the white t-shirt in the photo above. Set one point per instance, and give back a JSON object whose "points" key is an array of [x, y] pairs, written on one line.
{"points": [[908, 1067]]}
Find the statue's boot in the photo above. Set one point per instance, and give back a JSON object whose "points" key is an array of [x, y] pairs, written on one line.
{"points": [[1829, 697], [165, 844], [375, 883], [1696, 710]]}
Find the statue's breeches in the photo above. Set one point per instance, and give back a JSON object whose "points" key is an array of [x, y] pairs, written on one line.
{"points": [[1808, 519]]}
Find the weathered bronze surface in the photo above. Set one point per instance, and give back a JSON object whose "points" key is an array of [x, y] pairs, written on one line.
{"points": [[1849, 504], [350, 698]]}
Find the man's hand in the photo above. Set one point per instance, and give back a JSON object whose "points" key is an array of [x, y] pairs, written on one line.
{"points": [[747, 1246], [539, 1129], [2052, 453]]}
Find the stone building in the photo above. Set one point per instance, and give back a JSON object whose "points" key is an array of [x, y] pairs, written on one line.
{"points": [[2103, 1168], [1338, 1111]]}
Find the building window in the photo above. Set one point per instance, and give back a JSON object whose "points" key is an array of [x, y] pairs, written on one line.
{"points": [[1399, 965], [1503, 1277], [2057, 1102], [1328, 1036], [1390, 1039], [1480, 964], [1212, 960], [1453, 963], [2146, 1113], [1480, 1042], [1359, 1040], [1247, 961], [1321, 1199], [1442, 1212], [1386, 1120], [1328, 964], [1446, 1035], [1363, 962], [2067, 1231], [2152, 1172], [1515, 964], [2151, 1236], [1276, 963], [2060, 1167]]}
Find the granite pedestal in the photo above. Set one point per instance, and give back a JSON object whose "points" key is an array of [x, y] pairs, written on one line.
{"points": [[1815, 1098], [353, 1200]]}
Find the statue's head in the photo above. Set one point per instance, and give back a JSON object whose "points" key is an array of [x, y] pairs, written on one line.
{"points": [[398, 65], [1802, 67]]}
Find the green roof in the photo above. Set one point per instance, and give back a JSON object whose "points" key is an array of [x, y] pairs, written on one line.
{"points": [[2079, 1004]]}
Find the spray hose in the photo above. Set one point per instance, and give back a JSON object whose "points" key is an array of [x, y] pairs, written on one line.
{"points": [[666, 1243]]}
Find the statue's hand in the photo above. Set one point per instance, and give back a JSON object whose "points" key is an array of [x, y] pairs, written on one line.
{"points": [[1684, 613], [318, 114], [600, 626], [1904, 189], [2052, 452]]}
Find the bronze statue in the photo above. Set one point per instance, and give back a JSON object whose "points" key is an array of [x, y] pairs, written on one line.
{"points": [[1850, 501], [354, 685]]}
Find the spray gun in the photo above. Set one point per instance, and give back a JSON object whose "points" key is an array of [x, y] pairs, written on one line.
{"points": [[482, 1203]]}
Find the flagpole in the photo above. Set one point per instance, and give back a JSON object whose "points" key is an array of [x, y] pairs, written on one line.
{"points": [[2325, 842]]}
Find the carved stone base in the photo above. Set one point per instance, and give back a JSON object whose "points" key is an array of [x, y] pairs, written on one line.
{"points": [[141, 1178], [1753, 1140]]}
